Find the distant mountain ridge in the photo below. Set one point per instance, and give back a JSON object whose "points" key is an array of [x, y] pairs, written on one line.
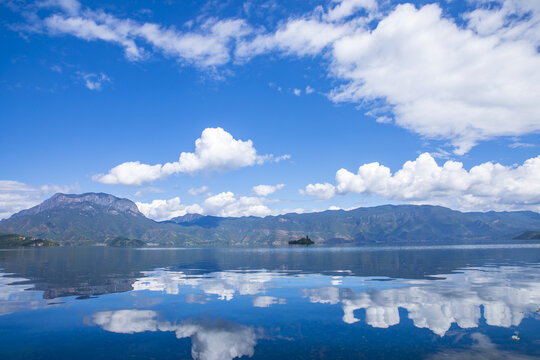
{"points": [[94, 218]]}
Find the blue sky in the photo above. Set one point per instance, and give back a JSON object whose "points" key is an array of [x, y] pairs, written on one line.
{"points": [[346, 103]]}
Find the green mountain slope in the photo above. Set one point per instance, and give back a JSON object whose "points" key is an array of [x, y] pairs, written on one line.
{"points": [[99, 218]]}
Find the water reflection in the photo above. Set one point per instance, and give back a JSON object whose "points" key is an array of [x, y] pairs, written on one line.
{"points": [[481, 349], [224, 284], [210, 340], [506, 294], [225, 304], [16, 295]]}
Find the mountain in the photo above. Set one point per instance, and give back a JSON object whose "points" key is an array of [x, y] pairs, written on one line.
{"points": [[88, 219], [87, 202], [95, 218], [388, 224]]}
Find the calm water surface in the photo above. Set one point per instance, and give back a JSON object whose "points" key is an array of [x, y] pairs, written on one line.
{"points": [[220, 304]]}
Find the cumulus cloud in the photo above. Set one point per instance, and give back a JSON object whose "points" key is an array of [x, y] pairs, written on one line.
{"points": [[264, 190], [160, 210], [486, 186], [322, 191], [442, 81], [210, 340], [463, 84], [16, 196], [225, 204], [215, 150]]}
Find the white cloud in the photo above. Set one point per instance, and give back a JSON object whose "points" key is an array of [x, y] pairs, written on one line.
{"points": [[94, 81], [488, 186], [225, 204], [321, 191], [301, 37], [132, 173], [160, 210], [264, 190], [438, 79], [198, 191], [297, 92], [16, 196], [462, 80], [208, 46], [215, 150], [346, 8], [512, 20], [104, 27], [443, 81], [309, 90]]}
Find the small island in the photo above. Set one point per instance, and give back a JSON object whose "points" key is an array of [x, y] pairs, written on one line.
{"points": [[303, 241]]}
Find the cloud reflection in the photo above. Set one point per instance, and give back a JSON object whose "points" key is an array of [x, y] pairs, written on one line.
{"points": [[502, 295], [210, 340], [507, 295], [223, 284]]}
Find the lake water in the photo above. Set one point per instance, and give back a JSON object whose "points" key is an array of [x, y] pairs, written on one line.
{"points": [[310, 303]]}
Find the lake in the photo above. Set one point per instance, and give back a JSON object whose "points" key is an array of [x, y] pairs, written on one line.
{"points": [[453, 302]]}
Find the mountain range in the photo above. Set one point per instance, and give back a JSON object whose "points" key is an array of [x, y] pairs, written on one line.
{"points": [[98, 218]]}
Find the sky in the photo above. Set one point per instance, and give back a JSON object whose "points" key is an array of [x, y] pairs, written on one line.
{"points": [[239, 108]]}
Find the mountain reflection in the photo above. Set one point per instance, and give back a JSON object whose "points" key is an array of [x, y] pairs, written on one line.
{"points": [[210, 340], [507, 295], [16, 295]]}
